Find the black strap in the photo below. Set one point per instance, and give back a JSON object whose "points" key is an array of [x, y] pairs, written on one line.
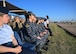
{"points": [[9, 44]]}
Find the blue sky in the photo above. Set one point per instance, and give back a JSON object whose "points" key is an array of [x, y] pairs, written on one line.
{"points": [[57, 10]]}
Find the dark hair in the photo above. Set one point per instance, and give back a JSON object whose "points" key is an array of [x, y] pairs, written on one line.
{"points": [[47, 17], [27, 15], [1, 14]]}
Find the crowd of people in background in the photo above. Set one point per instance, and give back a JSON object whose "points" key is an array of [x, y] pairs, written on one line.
{"points": [[29, 35]]}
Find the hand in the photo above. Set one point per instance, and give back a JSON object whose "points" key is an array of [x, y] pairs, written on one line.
{"points": [[38, 37], [46, 27], [17, 49], [44, 33], [41, 34]]}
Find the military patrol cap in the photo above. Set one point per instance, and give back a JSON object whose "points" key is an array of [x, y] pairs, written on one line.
{"points": [[40, 18], [29, 13], [4, 10]]}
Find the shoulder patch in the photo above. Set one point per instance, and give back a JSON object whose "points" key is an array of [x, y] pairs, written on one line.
{"points": [[27, 25]]}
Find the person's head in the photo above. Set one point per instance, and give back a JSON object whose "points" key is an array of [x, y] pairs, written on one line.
{"points": [[22, 21], [42, 20], [4, 18], [47, 17], [30, 16], [38, 20], [17, 19]]}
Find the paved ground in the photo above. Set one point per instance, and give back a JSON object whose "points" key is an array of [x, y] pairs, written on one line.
{"points": [[69, 27]]}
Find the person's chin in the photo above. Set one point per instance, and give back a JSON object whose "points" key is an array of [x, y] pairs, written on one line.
{"points": [[5, 22]]}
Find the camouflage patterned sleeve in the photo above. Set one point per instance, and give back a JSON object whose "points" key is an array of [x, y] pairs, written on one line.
{"points": [[30, 31]]}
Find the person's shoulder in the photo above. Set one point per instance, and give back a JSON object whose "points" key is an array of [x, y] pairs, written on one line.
{"points": [[6, 25], [47, 19]]}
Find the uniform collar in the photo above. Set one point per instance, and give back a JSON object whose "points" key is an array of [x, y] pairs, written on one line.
{"points": [[1, 26]]}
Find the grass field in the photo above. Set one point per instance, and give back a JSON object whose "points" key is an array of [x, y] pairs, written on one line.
{"points": [[61, 42]]}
